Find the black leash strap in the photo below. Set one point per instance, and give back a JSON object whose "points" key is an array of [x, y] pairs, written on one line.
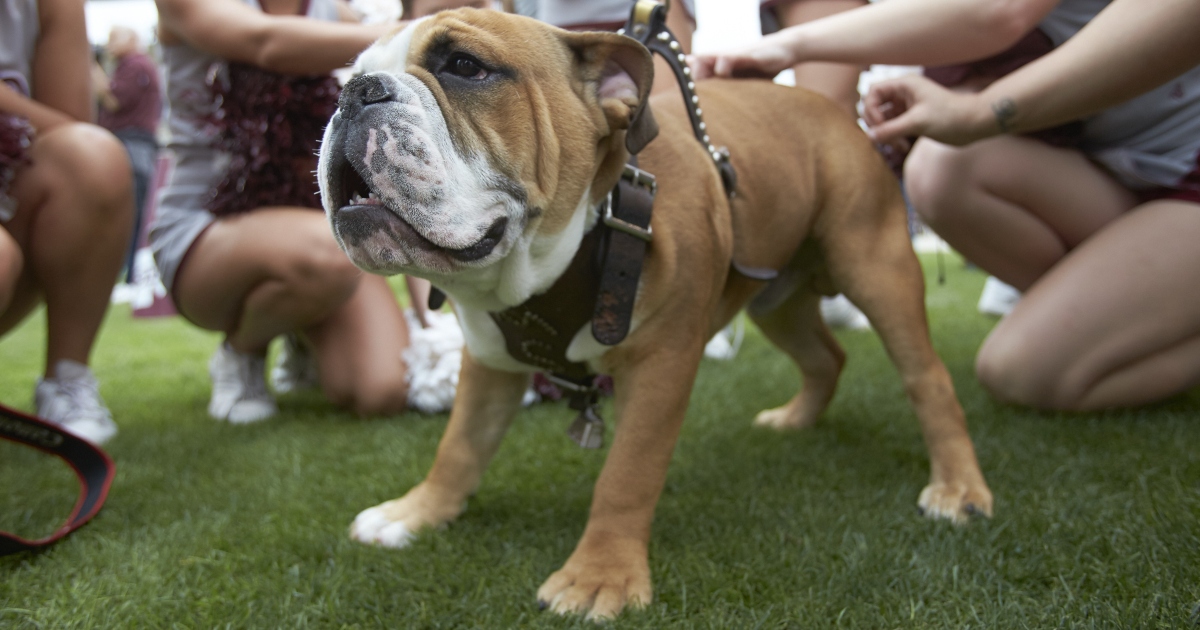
{"points": [[93, 467]]}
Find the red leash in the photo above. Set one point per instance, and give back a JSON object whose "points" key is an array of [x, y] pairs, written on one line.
{"points": [[93, 467]]}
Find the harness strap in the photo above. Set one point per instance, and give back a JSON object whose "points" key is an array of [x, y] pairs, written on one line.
{"points": [[648, 24], [93, 467], [626, 212], [538, 331]]}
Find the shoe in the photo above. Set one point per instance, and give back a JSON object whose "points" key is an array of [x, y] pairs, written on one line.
{"points": [[239, 389], [123, 293], [71, 400], [839, 312], [295, 368], [997, 298], [725, 344]]}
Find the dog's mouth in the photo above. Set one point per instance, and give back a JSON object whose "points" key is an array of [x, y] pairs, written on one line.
{"points": [[379, 239]]}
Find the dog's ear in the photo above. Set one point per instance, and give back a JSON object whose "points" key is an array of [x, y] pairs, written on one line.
{"points": [[622, 70]]}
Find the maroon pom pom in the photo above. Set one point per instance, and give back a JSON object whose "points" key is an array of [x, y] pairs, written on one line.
{"points": [[271, 125], [16, 136]]}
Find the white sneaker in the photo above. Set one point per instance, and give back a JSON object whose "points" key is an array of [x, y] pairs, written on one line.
{"points": [[71, 400], [839, 312], [239, 389], [295, 368], [725, 344], [997, 297]]}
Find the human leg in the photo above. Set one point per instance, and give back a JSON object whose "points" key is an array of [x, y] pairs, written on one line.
{"points": [[258, 275], [277, 270], [74, 206], [11, 263], [1115, 324], [1014, 206], [358, 349], [838, 81], [143, 153]]}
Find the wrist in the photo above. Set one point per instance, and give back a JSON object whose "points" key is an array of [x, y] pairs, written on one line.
{"points": [[794, 43], [1004, 114]]}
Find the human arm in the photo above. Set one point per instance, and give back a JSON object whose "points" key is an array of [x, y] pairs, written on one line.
{"points": [[1128, 48], [39, 116], [898, 32], [60, 69], [102, 88], [287, 44]]}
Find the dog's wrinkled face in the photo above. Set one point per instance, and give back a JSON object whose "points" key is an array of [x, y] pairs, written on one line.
{"points": [[465, 148]]}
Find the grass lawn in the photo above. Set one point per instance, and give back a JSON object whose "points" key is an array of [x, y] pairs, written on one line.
{"points": [[1097, 516]]}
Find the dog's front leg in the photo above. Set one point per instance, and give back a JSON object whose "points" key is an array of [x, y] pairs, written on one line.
{"points": [[484, 406], [609, 567]]}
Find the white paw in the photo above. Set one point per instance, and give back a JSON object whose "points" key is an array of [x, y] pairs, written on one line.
{"points": [[373, 527]]}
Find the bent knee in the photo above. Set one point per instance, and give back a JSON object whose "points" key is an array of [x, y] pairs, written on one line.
{"points": [[374, 397], [1020, 375], [935, 174], [92, 161], [319, 267]]}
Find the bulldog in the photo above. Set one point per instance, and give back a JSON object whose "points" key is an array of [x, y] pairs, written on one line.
{"points": [[474, 148]]}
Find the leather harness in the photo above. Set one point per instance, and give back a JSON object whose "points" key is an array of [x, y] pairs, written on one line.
{"points": [[600, 284]]}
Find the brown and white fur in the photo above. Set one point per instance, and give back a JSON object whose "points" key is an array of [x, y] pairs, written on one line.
{"points": [[472, 149]]}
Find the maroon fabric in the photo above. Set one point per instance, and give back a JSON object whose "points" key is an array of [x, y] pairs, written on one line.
{"points": [[1033, 45], [134, 83], [271, 125], [1171, 194], [549, 391], [1030, 47], [16, 136]]}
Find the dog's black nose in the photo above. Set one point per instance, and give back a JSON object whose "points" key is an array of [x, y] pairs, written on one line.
{"points": [[362, 91]]}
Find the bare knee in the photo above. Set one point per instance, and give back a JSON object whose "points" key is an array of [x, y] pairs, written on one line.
{"points": [[93, 165], [1018, 373], [318, 270], [369, 395], [935, 174]]}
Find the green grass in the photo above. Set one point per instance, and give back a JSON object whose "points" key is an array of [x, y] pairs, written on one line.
{"points": [[208, 525]]}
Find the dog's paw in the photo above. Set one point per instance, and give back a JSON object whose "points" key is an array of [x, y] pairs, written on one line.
{"points": [[793, 416], [396, 523], [955, 502], [599, 584], [374, 526]]}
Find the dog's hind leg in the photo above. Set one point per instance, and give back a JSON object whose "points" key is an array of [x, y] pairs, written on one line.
{"points": [[873, 263], [796, 327]]}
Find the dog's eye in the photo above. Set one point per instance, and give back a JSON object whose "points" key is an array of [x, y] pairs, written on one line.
{"points": [[466, 67]]}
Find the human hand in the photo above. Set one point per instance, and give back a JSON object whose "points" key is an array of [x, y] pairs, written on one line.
{"points": [[763, 60], [912, 106]]}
